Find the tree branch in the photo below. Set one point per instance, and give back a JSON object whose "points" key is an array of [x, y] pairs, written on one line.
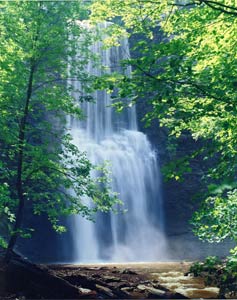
{"points": [[227, 9]]}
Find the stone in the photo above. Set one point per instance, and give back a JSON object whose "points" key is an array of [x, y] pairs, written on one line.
{"points": [[156, 292], [102, 268], [87, 292], [127, 289], [135, 294], [127, 271], [84, 291], [115, 270], [118, 284], [151, 290], [142, 287], [110, 278], [104, 290]]}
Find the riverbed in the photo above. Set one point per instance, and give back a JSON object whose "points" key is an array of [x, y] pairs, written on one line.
{"points": [[137, 280]]}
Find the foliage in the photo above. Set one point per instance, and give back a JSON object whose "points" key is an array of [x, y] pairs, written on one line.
{"points": [[219, 272], [39, 164], [217, 218], [210, 265], [185, 69]]}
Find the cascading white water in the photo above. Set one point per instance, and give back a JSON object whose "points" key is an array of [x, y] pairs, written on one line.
{"points": [[106, 135]]}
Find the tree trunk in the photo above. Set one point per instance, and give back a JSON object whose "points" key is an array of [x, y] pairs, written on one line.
{"points": [[20, 156], [21, 142]]}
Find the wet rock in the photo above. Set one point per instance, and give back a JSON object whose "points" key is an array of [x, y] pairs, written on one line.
{"points": [[155, 292], [135, 294], [118, 284], [127, 289], [151, 291], [158, 286], [96, 276], [147, 282], [127, 294], [87, 293], [110, 278], [81, 280], [84, 291], [127, 271], [105, 290], [132, 292], [102, 268], [142, 287]]}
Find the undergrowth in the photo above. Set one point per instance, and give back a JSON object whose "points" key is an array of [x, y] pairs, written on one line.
{"points": [[222, 273]]}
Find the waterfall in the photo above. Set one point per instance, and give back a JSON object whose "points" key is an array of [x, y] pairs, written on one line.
{"points": [[106, 135]]}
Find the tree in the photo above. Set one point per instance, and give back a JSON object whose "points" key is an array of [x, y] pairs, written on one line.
{"points": [[39, 164], [188, 78]]}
